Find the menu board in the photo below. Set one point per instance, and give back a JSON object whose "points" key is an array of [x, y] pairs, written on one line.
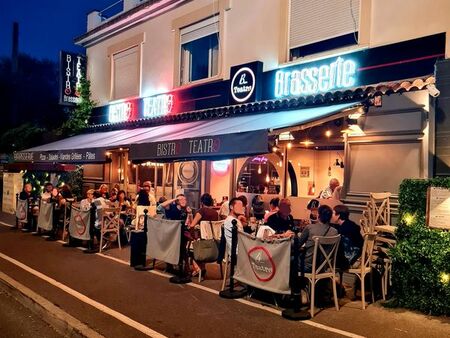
{"points": [[12, 185], [438, 208]]}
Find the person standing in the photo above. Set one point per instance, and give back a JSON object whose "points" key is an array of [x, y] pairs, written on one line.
{"points": [[27, 195]]}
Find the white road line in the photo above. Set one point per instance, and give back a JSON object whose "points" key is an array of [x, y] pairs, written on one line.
{"points": [[242, 301], [6, 224], [119, 316]]}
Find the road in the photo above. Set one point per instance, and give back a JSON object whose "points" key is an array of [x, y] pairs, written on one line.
{"points": [[18, 321], [116, 301]]}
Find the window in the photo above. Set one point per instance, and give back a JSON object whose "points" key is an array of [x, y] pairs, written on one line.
{"points": [[320, 25], [199, 50], [126, 73]]}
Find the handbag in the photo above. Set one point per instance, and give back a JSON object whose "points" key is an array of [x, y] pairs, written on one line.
{"points": [[206, 250]]}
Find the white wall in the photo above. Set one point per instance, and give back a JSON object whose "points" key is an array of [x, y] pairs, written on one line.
{"points": [[398, 20], [253, 31]]}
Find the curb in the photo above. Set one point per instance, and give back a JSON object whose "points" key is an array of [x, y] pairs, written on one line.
{"points": [[60, 320]]}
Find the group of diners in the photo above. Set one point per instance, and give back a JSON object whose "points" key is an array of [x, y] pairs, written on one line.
{"points": [[323, 221]]}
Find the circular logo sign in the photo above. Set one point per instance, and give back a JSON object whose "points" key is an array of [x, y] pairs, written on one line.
{"points": [[262, 263], [80, 225], [243, 84]]}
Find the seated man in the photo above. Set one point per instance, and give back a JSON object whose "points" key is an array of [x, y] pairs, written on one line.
{"points": [[328, 191], [322, 228], [282, 221], [351, 239], [236, 210]]}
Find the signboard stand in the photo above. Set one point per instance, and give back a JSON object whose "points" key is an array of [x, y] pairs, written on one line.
{"points": [[438, 208]]}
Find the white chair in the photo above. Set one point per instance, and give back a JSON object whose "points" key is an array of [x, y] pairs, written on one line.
{"points": [[365, 266], [211, 230], [110, 223], [327, 247]]}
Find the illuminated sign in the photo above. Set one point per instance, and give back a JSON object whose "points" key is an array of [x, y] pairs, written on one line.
{"points": [[120, 112], [221, 167], [72, 70], [311, 80], [243, 84], [157, 106]]}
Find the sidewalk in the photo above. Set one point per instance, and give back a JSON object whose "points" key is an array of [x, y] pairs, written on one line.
{"points": [[105, 287]]}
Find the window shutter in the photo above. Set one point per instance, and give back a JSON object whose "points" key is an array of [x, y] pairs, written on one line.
{"points": [[200, 29], [317, 20], [126, 73]]}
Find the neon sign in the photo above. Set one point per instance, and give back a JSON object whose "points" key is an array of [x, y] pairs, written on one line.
{"points": [[311, 80], [120, 112], [158, 105]]}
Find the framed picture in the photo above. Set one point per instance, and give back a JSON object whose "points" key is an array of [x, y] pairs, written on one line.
{"points": [[304, 171]]}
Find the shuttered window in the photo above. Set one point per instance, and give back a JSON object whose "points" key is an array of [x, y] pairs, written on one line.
{"points": [[126, 73], [315, 21], [199, 50]]}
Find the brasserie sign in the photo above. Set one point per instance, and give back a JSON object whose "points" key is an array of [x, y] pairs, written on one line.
{"points": [[69, 156]]}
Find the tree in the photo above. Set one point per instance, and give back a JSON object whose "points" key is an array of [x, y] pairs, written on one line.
{"points": [[79, 117]]}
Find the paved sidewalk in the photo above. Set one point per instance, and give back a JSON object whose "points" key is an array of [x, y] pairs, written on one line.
{"points": [[116, 301]]}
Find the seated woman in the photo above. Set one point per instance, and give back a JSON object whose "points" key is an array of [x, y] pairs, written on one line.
{"points": [[351, 238], [313, 207], [205, 213], [258, 207], [323, 228], [85, 204]]}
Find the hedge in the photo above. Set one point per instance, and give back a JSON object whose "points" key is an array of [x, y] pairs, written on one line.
{"points": [[421, 258]]}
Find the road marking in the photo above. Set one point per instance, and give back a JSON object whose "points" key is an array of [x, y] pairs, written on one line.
{"points": [[244, 301], [8, 225], [215, 292], [99, 306], [48, 311]]}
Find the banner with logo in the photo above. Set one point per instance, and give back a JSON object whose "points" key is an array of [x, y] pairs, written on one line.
{"points": [[80, 224], [45, 218], [264, 265], [21, 210], [164, 240], [217, 146]]}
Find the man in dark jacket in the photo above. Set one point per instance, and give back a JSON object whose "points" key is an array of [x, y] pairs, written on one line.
{"points": [[351, 238]]}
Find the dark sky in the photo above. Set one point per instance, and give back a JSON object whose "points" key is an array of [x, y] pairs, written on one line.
{"points": [[45, 26]]}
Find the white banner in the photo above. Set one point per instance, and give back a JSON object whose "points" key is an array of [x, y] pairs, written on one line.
{"points": [[80, 224], [45, 218], [264, 265], [21, 210], [164, 240]]}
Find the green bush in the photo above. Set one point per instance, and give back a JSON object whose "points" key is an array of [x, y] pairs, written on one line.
{"points": [[421, 259]]}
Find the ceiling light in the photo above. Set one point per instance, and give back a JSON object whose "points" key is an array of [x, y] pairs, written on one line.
{"points": [[307, 143]]}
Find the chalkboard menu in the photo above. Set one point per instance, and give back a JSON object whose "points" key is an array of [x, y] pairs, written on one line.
{"points": [[438, 208]]}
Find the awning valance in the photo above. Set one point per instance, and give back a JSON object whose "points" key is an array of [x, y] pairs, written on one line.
{"points": [[228, 137]]}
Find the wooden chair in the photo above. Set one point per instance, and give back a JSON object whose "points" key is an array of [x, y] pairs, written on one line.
{"points": [[326, 268], [365, 267], [110, 223]]}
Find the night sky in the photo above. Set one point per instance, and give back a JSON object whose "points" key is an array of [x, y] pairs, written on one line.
{"points": [[45, 26]]}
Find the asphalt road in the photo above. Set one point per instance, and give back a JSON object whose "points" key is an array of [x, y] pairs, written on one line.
{"points": [[18, 321], [117, 301]]}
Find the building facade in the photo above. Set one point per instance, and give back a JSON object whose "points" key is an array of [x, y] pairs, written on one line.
{"points": [[344, 88]]}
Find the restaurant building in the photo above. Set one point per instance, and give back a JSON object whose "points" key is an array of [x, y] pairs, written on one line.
{"points": [[271, 97]]}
